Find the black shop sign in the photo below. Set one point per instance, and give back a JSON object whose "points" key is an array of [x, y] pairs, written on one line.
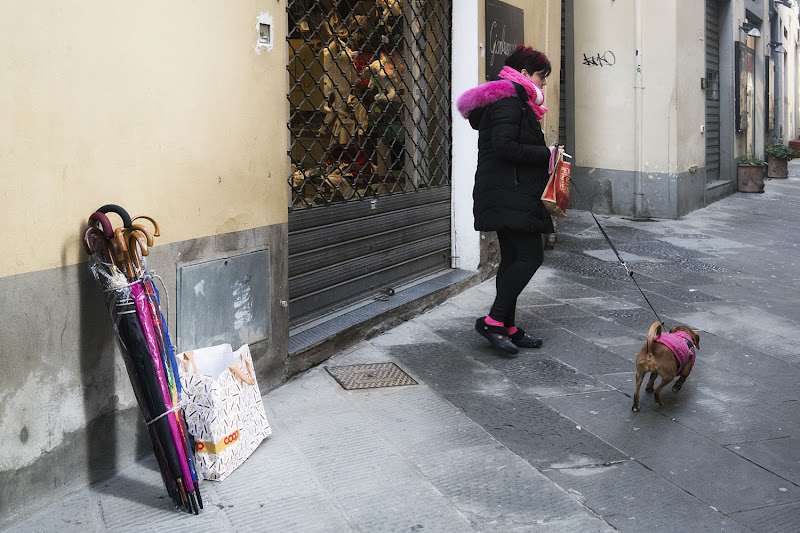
{"points": [[504, 32]]}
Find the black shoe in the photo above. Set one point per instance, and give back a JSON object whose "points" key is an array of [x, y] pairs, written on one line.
{"points": [[497, 335], [523, 340]]}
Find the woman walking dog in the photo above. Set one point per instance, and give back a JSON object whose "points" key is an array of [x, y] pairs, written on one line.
{"points": [[513, 160]]}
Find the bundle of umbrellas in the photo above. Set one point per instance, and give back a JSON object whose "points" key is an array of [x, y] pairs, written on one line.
{"points": [[118, 264]]}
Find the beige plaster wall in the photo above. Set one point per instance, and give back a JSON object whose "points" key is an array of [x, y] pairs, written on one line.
{"points": [[604, 96], [165, 108], [660, 79], [673, 105], [690, 55]]}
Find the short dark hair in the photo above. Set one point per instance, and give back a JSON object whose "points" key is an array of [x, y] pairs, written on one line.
{"points": [[525, 57]]}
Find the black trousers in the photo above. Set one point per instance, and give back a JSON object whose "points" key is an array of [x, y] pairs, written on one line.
{"points": [[521, 255]]}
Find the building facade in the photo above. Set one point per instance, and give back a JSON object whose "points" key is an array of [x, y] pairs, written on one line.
{"points": [[305, 158]]}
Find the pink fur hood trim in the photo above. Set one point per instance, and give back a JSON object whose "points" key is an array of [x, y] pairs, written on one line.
{"points": [[484, 95]]}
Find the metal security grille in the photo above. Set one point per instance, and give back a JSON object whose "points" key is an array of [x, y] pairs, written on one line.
{"points": [[369, 98], [370, 147]]}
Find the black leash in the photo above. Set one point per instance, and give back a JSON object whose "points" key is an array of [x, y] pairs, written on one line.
{"points": [[621, 262]]}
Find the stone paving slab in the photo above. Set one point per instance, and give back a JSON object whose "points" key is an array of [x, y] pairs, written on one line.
{"points": [[747, 325], [582, 354], [443, 367], [75, 514], [477, 480], [779, 519], [534, 431], [409, 430], [633, 498], [775, 455], [602, 332], [688, 459]]}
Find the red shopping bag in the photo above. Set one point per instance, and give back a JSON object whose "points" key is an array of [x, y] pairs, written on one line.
{"points": [[556, 194]]}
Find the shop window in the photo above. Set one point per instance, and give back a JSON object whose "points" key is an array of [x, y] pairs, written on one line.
{"points": [[369, 99]]}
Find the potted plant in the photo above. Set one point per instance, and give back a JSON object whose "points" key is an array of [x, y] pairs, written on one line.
{"points": [[751, 174], [778, 157]]}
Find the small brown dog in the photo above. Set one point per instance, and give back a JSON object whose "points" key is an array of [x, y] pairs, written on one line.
{"points": [[660, 360]]}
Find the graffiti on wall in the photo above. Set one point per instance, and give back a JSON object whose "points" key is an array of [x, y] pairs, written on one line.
{"points": [[607, 58]]}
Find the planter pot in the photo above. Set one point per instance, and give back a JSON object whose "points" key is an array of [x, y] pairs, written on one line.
{"points": [[794, 144], [751, 178], [777, 168]]}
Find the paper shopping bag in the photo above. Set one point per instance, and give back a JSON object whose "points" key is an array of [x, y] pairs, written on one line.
{"points": [[556, 194], [224, 413]]}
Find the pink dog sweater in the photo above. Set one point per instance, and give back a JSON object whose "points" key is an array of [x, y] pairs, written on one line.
{"points": [[681, 345]]}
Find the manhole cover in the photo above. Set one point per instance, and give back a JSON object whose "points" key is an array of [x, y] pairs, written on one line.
{"points": [[371, 376]]}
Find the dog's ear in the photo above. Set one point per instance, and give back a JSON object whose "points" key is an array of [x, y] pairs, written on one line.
{"points": [[692, 333], [695, 338]]}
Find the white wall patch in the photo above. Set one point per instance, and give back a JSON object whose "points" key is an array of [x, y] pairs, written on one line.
{"points": [[264, 33]]}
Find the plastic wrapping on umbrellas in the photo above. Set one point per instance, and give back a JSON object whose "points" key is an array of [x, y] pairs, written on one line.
{"points": [[142, 335]]}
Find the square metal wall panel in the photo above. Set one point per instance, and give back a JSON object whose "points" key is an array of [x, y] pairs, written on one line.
{"points": [[224, 301], [370, 376]]}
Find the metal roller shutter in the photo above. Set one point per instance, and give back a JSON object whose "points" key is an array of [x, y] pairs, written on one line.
{"points": [[370, 147], [712, 90]]}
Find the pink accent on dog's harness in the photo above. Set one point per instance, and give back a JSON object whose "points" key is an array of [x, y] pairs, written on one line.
{"points": [[681, 345]]}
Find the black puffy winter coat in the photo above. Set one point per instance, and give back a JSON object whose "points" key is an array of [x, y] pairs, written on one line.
{"points": [[512, 172]]}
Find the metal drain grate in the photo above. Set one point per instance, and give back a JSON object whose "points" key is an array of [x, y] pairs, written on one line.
{"points": [[370, 376]]}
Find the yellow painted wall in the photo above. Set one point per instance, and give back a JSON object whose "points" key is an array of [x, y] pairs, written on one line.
{"points": [[542, 26], [165, 108]]}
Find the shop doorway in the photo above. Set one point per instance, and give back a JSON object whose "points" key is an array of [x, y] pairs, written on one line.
{"points": [[370, 148]]}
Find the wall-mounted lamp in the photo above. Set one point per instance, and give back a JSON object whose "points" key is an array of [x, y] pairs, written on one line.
{"points": [[750, 30], [776, 47]]}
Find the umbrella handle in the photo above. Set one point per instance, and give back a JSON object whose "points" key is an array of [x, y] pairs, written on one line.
{"points": [[156, 233], [137, 247], [144, 231], [99, 218], [94, 241], [138, 237], [89, 243], [113, 208], [121, 252]]}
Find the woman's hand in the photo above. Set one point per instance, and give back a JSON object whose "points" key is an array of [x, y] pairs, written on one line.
{"points": [[560, 148], [555, 152]]}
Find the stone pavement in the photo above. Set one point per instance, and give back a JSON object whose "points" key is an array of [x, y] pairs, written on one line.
{"points": [[545, 441]]}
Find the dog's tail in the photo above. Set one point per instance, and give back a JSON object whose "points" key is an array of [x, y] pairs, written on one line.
{"points": [[655, 331]]}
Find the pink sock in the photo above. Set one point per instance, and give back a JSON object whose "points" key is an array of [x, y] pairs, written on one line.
{"points": [[492, 322], [512, 330]]}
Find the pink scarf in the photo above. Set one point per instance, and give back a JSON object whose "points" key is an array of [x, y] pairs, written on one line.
{"points": [[535, 93]]}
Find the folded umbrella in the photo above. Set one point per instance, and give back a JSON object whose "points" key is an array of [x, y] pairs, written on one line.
{"points": [[171, 368], [143, 379], [146, 323]]}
